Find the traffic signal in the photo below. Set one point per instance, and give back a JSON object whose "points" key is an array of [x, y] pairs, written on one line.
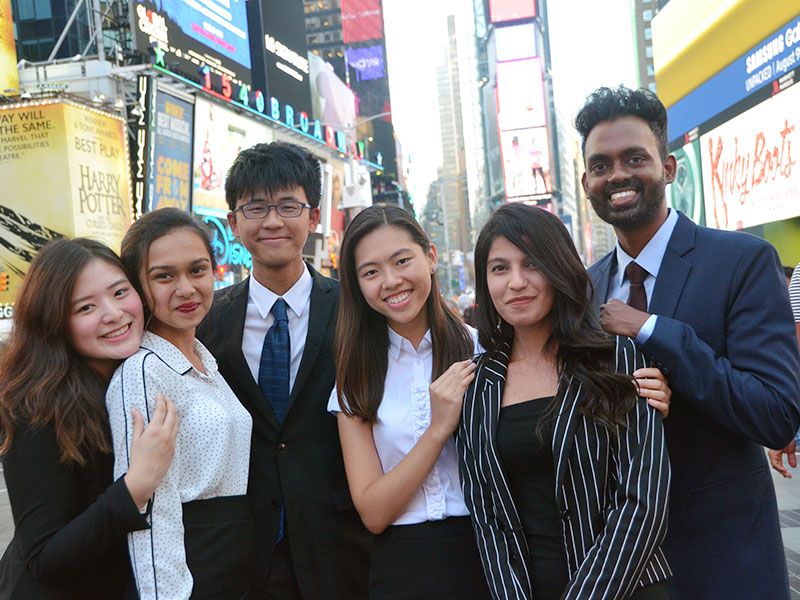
{"points": [[334, 261], [3, 282]]}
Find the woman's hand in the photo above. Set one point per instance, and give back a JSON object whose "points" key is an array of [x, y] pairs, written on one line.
{"points": [[447, 396], [152, 449], [651, 384], [776, 459]]}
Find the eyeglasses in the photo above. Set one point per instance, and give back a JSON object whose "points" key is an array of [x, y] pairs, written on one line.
{"points": [[288, 209]]}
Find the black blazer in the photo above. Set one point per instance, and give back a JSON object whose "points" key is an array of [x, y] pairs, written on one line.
{"points": [[726, 338], [298, 465], [611, 493], [70, 522]]}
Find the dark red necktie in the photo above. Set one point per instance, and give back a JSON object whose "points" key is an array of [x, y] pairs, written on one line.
{"points": [[637, 297]]}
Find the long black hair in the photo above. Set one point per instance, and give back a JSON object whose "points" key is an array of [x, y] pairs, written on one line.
{"points": [[583, 349], [362, 337]]}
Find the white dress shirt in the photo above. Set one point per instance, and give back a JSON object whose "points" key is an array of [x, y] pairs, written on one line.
{"points": [[212, 453], [258, 319], [403, 416], [650, 260]]}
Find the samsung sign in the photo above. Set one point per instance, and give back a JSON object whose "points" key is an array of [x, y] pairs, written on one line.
{"points": [[772, 58]]}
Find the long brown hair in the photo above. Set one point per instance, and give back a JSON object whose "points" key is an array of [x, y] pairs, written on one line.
{"points": [[583, 349], [42, 379], [362, 337]]}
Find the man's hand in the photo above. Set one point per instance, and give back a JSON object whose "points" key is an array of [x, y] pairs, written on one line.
{"points": [[776, 459], [619, 318]]}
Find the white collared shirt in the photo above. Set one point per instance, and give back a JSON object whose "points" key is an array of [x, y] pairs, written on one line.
{"points": [[258, 319], [650, 260], [212, 453], [403, 416]]}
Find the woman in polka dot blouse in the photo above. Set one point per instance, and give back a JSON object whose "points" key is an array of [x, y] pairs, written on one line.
{"points": [[199, 544]]}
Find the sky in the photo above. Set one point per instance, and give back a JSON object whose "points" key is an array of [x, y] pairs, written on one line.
{"points": [[593, 50]]}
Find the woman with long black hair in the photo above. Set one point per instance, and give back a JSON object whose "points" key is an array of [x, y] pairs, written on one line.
{"points": [[563, 463]]}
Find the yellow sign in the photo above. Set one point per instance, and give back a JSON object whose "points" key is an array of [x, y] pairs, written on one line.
{"points": [[65, 172], [9, 77]]}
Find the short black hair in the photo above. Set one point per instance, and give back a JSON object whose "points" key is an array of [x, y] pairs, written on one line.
{"points": [[607, 104], [788, 271], [273, 168]]}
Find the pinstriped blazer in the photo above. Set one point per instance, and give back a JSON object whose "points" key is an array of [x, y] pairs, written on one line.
{"points": [[611, 492]]}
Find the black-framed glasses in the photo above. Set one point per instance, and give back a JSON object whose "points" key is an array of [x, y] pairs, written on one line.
{"points": [[288, 209]]}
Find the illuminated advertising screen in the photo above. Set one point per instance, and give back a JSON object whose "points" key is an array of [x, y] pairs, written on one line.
{"points": [[686, 192], [366, 62], [520, 94], [185, 35], [514, 42], [65, 172], [169, 177], [749, 169], [9, 77], [280, 52], [361, 21], [333, 102], [510, 10], [526, 163], [219, 135]]}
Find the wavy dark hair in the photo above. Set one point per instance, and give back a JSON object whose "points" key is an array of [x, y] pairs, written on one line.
{"points": [[146, 230], [583, 350], [607, 104], [362, 337], [42, 379]]}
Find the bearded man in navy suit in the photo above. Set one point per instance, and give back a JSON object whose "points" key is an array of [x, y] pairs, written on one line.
{"points": [[710, 308]]}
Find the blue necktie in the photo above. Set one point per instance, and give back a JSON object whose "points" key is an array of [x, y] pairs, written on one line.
{"points": [[273, 372]]}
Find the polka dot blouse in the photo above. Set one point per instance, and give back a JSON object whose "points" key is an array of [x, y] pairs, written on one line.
{"points": [[211, 453]]}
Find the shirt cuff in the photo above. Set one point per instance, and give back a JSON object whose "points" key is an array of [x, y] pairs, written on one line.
{"points": [[647, 329]]}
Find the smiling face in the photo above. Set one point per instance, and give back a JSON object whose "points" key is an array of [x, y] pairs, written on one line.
{"points": [[394, 275], [275, 242], [106, 319], [520, 293], [625, 176], [178, 283]]}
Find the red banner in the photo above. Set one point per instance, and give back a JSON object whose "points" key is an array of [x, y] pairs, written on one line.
{"points": [[362, 20]]}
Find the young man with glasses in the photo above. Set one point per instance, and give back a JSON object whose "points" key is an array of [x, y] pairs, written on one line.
{"points": [[272, 335]]}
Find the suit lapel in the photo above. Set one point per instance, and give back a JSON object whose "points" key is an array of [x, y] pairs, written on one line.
{"points": [[233, 317], [564, 431], [602, 277], [674, 269], [319, 317]]}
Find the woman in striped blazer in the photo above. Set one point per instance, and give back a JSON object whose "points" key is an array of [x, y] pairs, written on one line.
{"points": [[563, 465]]}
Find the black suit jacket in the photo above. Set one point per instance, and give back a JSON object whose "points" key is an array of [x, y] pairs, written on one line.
{"points": [[725, 338], [299, 464]]}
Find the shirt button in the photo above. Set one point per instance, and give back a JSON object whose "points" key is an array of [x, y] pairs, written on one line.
{"points": [[275, 504], [565, 516], [281, 448]]}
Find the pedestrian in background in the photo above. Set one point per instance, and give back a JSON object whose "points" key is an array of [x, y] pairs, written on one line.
{"points": [[76, 317], [564, 466], [396, 335], [200, 540]]}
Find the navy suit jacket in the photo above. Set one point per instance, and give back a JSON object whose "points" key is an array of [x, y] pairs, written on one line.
{"points": [[725, 337]]}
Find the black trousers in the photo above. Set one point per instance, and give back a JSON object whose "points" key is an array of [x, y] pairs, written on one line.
{"points": [[435, 559], [219, 542]]}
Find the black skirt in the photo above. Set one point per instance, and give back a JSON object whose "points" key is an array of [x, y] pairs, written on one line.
{"points": [[218, 537], [434, 559]]}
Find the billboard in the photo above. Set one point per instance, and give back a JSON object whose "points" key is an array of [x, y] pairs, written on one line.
{"points": [[514, 42], [186, 35], [169, 175], [219, 135], [686, 192], [510, 10], [333, 102], [280, 52], [526, 163], [362, 20], [520, 94], [9, 77], [65, 172], [749, 174], [367, 62], [773, 58]]}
